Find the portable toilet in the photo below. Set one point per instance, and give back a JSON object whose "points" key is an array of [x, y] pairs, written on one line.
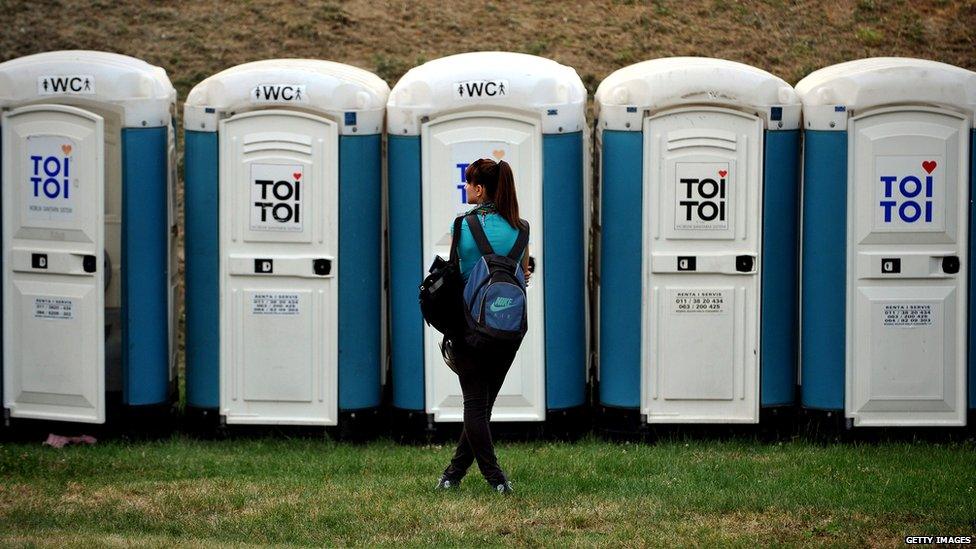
{"points": [[698, 242], [886, 247], [89, 236], [283, 258], [442, 116]]}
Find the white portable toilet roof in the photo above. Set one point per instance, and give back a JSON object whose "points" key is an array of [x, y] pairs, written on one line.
{"points": [[333, 89], [630, 93], [533, 84], [832, 94], [143, 91]]}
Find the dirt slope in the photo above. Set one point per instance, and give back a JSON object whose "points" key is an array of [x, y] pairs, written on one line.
{"points": [[195, 39]]}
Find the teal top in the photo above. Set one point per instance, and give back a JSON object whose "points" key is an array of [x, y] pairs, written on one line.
{"points": [[500, 234]]}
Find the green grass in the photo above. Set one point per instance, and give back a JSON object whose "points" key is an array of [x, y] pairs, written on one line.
{"points": [[316, 492]]}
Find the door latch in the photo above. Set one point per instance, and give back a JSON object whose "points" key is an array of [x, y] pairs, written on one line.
{"points": [[263, 266], [322, 267], [687, 263], [38, 261], [744, 263], [89, 263], [890, 265], [950, 264]]}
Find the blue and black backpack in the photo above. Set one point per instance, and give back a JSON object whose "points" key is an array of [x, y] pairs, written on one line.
{"points": [[494, 295]]}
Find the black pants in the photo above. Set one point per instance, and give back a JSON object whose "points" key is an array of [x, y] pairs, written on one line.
{"points": [[481, 374]]}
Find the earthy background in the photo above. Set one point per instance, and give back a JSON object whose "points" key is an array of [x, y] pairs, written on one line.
{"points": [[193, 40]]}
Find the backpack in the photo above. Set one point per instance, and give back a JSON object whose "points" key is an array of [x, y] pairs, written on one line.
{"points": [[440, 292], [494, 295]]}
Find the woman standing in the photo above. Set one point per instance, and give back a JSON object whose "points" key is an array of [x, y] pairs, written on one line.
{"points": [[491, 186]]}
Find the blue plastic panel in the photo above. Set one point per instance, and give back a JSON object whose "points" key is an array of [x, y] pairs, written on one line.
{"points": [[780, 272], [360, 180], [202, 270], [145, 266], [407, 342], [823, 341], [565, 281], [621, 196]]}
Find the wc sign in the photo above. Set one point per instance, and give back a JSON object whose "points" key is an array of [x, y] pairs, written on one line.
{"points": [[51, 184], [66, 84], [480, 89], [279, 93], [701, 195], [909, 193], [276, 197]]}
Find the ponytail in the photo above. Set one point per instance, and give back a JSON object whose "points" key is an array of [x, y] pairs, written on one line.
{"points": [[499, 183], [505, 199]]}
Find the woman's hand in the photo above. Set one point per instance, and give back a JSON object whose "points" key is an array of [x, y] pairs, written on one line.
{"points": [[527, 266]]}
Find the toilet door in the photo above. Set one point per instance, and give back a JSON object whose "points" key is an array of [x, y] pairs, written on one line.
{"points": [[907, 231], [278, 270], [702, 259], [53, 279], [449, 144]]}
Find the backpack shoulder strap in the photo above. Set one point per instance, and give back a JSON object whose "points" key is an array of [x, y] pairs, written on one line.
{"points": [[521, 241], [456, 239], [478, 232]]}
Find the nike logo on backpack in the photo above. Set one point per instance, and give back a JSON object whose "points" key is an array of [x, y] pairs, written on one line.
{"points": [[500, 304]]}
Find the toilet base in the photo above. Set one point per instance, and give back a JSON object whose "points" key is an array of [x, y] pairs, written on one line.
{"points": [[629, 425], [150, 421], [359, 425], [418, 427]]}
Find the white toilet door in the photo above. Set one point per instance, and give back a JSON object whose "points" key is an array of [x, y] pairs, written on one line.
{"points": [[449, 144], [907, 267], [702, 221], [278, 245], [53, 253]]}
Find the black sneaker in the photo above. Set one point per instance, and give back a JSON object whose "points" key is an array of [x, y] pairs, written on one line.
{"points": [[504, 488], [444, 484]]}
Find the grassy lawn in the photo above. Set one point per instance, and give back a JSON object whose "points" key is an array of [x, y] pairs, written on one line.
{"points": [[317, 492]]}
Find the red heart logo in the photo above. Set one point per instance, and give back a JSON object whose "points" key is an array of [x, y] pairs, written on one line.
{"points": [[297, 175], [66, 149], [929, 166], [722, 173]]}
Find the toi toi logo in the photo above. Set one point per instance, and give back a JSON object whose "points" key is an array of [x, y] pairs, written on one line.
{"points": [[704, 199], [908, 198], [50, 175], [282, 199]]}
